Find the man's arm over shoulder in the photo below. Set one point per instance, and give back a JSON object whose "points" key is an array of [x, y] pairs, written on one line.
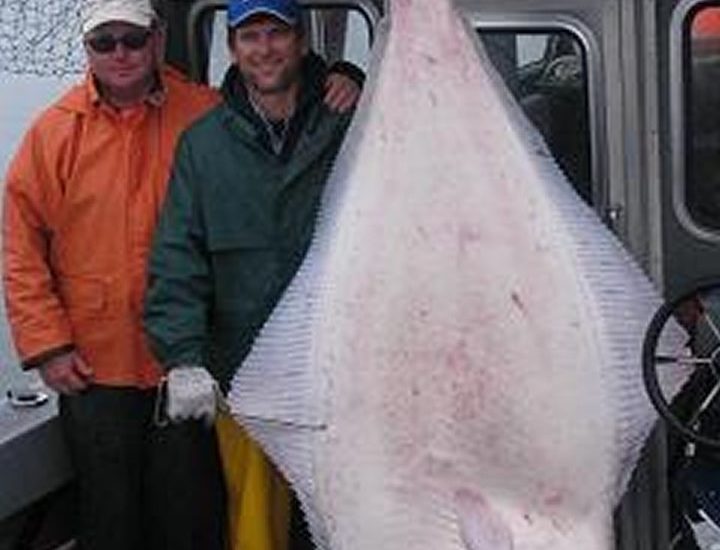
{"points": [[350, 70], [179, 286], [37, 317], [343, 82]]}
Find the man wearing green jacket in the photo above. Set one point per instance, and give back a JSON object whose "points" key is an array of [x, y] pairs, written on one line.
{"points": [[241, 205]]}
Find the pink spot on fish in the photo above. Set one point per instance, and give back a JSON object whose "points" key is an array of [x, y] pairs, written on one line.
{"points": [[458, 357], [467, 237], [554, 499]]}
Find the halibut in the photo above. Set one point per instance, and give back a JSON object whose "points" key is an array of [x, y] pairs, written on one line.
{"points": [[456, 365]]}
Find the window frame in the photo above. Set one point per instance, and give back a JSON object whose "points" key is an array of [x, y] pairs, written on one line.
{"points": [[679, 59]]}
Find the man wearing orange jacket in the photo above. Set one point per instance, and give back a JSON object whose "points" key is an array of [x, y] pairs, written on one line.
{"points": [[82, 198]]}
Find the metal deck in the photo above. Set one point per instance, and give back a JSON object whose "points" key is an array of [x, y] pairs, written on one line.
{"points": [[33, 457]]}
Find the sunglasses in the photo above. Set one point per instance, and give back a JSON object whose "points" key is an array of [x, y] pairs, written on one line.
{"points": [[107, 43]]}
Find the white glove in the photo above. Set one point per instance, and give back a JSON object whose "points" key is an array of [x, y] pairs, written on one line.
{"points": [[192, 392]]}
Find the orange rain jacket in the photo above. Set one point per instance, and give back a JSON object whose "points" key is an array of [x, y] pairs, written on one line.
{"points": [[82, 198]]}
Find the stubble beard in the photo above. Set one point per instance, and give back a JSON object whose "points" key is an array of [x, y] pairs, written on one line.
{"points": [[285, 81]]}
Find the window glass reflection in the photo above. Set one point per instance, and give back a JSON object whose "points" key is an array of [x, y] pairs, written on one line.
{"points": [[702, 117]]}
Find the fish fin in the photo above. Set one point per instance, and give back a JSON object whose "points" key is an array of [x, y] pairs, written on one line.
{"points": [[291, 450], [619, 294], [623, 299], [481, 527], [275, 395]]}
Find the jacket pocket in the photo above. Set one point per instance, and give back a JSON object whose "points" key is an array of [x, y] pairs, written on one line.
{"points": [[245, 271], [84, 296], [241, 263]]}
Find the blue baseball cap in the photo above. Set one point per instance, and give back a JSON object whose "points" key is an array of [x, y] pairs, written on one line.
{"points": [[240, 11]]}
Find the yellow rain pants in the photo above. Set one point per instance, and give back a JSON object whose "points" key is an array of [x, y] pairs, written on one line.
{"points": [[258, 497]]}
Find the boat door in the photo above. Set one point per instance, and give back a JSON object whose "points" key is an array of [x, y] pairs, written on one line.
{"points": [[688, 54]]}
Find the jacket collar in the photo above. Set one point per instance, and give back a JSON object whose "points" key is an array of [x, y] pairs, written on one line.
{"points": [[86, 96]]}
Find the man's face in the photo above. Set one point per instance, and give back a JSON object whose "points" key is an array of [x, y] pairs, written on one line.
{"points": [[122, 56], [268, 53]]}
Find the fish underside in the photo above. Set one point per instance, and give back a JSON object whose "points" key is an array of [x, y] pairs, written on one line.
{"points": [[456, 364]]}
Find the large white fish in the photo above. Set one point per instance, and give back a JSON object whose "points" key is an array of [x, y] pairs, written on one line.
{"points": [[456, 364]]}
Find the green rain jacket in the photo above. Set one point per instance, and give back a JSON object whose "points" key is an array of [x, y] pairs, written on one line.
{"points": [[235, 225]]}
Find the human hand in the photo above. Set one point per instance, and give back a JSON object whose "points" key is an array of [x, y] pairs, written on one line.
{"points": [[67, 373], [341, 92], [192, 393]]}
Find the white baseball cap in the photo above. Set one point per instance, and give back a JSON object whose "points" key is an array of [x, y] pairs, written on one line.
{"points": [[98, 12]]}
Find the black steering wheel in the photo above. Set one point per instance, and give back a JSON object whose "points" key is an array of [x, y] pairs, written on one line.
{"points": [[698, 311]]}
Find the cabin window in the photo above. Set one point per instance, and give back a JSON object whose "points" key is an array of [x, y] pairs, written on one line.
{"points": [[702, 115], [546, 71], [334, 33]]}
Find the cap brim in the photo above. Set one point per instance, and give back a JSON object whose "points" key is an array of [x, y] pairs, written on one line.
{"points": [[110, 16], [262, 11]]}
